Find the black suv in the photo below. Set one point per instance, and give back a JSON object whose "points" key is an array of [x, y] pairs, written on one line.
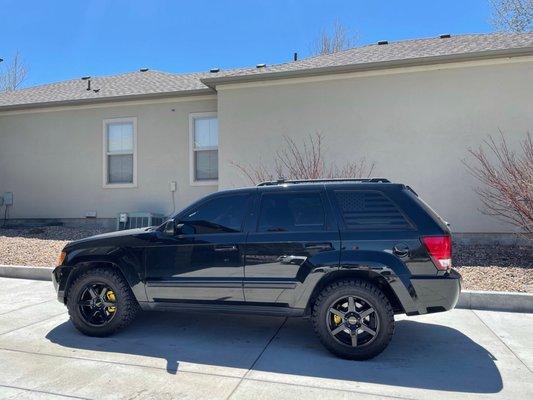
{"points": [[349, 254]]}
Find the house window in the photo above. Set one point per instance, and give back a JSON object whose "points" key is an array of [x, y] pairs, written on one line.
{"points": [[204, 148], [120, 152]]}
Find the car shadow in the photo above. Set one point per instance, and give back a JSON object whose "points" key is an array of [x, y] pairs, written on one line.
{"points": [[421, 355]]}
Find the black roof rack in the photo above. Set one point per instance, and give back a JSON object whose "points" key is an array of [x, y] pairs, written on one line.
{"points": [[361, 180]]}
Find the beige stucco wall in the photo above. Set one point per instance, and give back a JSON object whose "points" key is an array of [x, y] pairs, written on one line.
{"points": [[415, 126], [53, 161]]}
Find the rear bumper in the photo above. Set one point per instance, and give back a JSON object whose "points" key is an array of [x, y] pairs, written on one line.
{"points": [[437, 294]]}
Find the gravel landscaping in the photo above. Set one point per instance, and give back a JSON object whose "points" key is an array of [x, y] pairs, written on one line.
{"points": [[495, 267], [38, 246], [483, 267]]}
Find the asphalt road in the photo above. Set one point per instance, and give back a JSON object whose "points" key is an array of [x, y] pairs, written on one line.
{"points": [[458, 354]]}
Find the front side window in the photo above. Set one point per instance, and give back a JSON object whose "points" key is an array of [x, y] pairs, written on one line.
{"points": [[204, 138], [291, 212], [220, 215], [119, 147]]}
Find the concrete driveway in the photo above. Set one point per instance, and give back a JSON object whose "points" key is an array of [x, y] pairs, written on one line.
{"points": [[459, 354]]}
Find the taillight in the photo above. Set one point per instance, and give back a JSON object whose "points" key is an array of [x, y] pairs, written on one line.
{"points": [[440, 250]]}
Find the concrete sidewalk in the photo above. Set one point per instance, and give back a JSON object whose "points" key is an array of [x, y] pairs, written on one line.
{"points": [[458, 354]]}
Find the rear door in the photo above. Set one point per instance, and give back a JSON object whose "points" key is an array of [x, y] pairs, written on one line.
{"points": [[291, 229]]}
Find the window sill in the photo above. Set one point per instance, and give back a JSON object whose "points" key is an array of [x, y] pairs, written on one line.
{"points": [[204, 183], [119, 185]]}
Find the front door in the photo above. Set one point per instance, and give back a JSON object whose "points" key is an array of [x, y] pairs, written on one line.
{"points": [[204, 260]]}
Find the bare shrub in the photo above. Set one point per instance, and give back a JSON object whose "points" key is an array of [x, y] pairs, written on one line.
{"points": [[507, 180], [13, 73], [512, 15], [338, 39], [306, 160]]}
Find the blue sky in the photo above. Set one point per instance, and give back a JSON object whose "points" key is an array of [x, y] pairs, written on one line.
{"points": [[68, 39]]}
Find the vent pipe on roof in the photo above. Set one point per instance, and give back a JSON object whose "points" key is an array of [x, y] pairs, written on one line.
{"points": [[214, 70], [143, 69], [88, 79], [260, 65], [445, 36], [381, 42]]}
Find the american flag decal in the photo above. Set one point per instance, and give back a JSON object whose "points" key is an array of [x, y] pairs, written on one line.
{"points": [[369, 210]]}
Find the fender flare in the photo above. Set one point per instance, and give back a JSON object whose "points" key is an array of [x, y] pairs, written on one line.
{"points": [[80, 260], [376, 264]]}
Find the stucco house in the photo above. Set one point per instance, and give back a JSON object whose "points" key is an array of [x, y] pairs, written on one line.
{"points": [[412, 107]]}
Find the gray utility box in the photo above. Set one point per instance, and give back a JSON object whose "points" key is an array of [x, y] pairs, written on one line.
{"points": [[132, 220]]}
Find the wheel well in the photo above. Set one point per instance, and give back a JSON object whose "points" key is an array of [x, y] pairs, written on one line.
{"points": [[369, 276], [83, 267]]}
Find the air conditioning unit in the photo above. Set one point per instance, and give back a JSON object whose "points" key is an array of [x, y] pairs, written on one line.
{"points": [[132, 220]]}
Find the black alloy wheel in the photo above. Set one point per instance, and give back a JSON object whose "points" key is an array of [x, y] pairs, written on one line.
{"points": [[352, 321], [97, 304], [100, 302]]}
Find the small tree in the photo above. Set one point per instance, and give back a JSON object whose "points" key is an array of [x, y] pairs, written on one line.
{"points": [[331, 42], [12, 73], [306, 160], [512, 15], [507, 179]]}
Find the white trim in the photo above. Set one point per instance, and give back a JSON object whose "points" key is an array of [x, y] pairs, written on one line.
{"points": [[390, 71], [192, 117], [105, 184], [111, 103]]}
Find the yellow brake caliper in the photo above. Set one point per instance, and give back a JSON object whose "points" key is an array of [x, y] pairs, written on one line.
{"points": [[111, 297], [337, 319]]}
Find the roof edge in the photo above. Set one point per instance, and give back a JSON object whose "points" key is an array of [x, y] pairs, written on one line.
{"points": [[108, 99], [339, 69]]}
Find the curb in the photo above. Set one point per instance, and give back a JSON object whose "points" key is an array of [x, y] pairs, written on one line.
{"points": [[496, 301], [26, 272], [468, 299]]}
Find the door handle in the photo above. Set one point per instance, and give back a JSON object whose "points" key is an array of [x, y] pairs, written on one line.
{"points": [[226, 247], [401, 250], [318, 246]]}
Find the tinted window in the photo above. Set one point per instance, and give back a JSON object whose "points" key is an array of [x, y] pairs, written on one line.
{"points": [[221, 214], [362, 210], [291, 212]]}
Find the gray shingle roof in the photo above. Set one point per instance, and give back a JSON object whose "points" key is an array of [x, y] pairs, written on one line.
{"points": [[417, 51], [129, 85], [151, 84]]}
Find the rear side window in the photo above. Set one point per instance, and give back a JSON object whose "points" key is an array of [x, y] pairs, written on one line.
{"points": [[369, 210], [291, 212]]}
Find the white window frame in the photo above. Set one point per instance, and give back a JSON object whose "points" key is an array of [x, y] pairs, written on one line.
{"points": [[105, 183], [192, 179]]}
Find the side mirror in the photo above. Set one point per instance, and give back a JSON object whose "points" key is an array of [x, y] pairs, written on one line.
{"points": [[173, 228], [170, 228]]}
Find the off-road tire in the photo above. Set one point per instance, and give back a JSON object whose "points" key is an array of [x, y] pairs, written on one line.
{"points": [[364, 290], [127, 306]]}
